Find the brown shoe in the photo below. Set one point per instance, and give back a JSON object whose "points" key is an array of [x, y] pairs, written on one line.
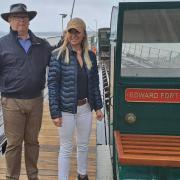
{"points": [[84, 178]]}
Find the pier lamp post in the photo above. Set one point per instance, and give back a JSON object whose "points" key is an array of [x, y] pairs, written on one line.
{"points": [[63, 16], [72, 9]]}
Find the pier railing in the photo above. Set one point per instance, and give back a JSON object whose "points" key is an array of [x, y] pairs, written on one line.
{"points": [[53, 39]]}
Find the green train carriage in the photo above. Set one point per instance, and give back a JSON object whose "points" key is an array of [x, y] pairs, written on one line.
{"points": [[144, 109]]}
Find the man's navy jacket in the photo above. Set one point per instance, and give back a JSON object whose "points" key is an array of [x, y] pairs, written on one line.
{"points": [[23, 75]]}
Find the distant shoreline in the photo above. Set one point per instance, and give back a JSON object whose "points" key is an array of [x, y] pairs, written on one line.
{"points": [[45, 34], [40, 34]]}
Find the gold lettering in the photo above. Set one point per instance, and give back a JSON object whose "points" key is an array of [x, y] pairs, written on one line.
{"points": [[141, 95], [131, 94], [176, 95], [155, 95], [162, 95], [171, 95], [150, 95], [166, 95], [147, 95]]}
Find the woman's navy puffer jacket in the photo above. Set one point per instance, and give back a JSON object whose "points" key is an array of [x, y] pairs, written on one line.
{"points": [[62, 85]]}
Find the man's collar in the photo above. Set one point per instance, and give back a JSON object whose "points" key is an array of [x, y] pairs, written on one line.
{"points": [[27, 38], [15, 33], [32, 37]]}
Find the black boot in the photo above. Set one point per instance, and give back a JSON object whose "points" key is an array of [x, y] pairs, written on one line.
{"points": [[84, 178]]}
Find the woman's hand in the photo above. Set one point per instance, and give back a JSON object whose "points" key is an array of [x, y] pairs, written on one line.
{"points": [[58, 122], [99, 115]]}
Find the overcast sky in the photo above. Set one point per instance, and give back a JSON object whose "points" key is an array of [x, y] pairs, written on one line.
{"points": [[93, 12]]}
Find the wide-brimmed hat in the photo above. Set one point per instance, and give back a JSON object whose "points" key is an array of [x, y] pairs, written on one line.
{"points": [[18, 8], [76, 23]]}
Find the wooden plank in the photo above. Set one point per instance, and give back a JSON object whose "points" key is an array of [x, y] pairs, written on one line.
{"points": [[49, 147], [150, 143], [150, 160], [151, 147], [151, 152], [149, 136], [146, 139]]}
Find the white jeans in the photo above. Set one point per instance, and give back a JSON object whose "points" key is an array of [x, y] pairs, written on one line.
{"points": [[82, 123]]}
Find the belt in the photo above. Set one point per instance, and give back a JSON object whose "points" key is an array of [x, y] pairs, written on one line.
{"points": [[22, 96], [82, 102]]}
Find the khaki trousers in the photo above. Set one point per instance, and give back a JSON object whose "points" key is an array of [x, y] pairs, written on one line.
{"points": [[22, 123]]}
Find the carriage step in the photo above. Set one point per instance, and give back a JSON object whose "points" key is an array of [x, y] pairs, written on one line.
{"points": [[149, 150]]}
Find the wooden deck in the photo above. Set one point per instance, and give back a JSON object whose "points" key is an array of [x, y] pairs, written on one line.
{"points": [[49, 143]]}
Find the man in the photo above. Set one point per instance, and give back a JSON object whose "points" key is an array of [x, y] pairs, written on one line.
{"points": [[23, 61]]}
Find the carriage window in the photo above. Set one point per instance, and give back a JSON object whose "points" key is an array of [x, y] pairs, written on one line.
{"points": [[103, 36], [151, 43]]}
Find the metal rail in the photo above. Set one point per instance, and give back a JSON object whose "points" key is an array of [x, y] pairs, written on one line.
{"points": [[104, 87], [103, 164]]}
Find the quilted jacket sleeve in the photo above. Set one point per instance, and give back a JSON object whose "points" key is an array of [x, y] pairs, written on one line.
{"points": [[54, 86]]}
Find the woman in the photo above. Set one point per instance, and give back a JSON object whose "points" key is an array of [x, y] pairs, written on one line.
{"points": [[73, 84]]}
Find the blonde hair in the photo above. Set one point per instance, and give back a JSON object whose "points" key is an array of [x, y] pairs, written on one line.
{"points": [[63, 50]]}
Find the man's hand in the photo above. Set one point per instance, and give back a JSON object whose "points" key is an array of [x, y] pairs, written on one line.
{"points": [[58, 122]]}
